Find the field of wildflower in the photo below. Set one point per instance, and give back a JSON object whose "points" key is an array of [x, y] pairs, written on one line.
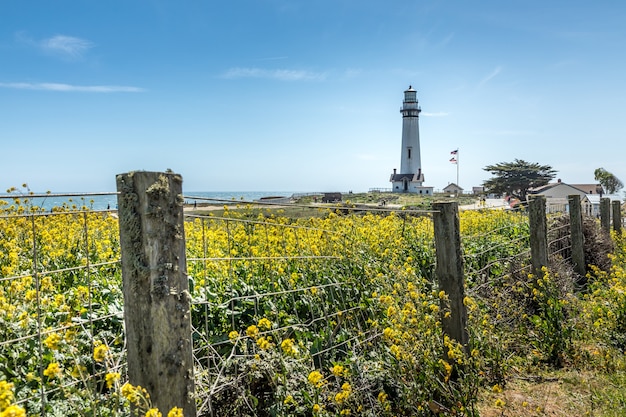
{"points": [[335, 314]]}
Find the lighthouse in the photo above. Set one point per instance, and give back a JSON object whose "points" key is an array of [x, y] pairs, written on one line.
{"points": [[410, 178]]}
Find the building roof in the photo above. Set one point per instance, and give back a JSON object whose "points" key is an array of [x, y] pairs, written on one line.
{"points": [[411, 177], [589, 188], [585, 188], [452, 187]]}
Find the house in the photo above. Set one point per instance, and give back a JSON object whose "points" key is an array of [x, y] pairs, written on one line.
{"points": [[557, 195], [452, 188]]}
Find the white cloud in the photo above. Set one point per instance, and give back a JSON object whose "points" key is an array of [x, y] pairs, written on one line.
{"points": [[66, 45], [72, 88], [277, 74], [491, 75]]}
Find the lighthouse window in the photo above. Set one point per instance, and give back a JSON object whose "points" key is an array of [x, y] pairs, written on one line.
{"points": [[409, 153]]}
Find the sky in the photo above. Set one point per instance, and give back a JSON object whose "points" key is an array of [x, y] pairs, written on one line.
{"points": [[294, 95]]}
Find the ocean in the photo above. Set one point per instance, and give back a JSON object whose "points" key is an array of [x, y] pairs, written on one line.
{"points": [[108, 200]]}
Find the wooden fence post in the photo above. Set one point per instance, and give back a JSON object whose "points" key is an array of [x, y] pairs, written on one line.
{"points": [[577, 237], [538, 234], [617, 216], [156, 297], [605, 214], [449, 269]]}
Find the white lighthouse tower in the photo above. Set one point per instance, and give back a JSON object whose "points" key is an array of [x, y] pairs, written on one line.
{"points": [[410, 177]]}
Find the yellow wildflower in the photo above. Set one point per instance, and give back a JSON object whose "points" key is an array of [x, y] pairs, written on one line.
{"points": [[13, 411], [264, 343], [6, 394], [265, 324], [315, 378], [100, 353], [252, 331], [289, 347], [175, 412], [111, 378], [53, 370], [52, 341], [129, 392], [153, 412], [338, 370]]}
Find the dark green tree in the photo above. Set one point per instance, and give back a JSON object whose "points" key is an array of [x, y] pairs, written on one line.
{"points": [[517, 177], [608, 181]]}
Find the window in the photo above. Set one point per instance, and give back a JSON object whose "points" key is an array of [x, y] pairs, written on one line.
{"points": [[409, 150]]}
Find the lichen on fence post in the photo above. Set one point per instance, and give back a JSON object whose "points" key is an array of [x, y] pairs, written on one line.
{"points": [[449, 269], [538, 234], [156, 291], [578, 237]]}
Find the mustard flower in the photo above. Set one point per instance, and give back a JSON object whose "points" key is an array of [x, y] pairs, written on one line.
{"points": [[129, 392], [175, 412], [153, 412], [52, 341], [252, 331], [264, 343], [315, 378], [53, 370], [338, 370], [448, 369], [111, 378], [289, 347], [382, 397], [265, 324], [100, 353], [13, 411], [77, 371], [6, 394], [341, 396]]}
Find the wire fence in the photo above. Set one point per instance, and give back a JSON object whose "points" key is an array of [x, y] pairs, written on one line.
{"points": [[61, 305], [262, 286], [308, 291]]}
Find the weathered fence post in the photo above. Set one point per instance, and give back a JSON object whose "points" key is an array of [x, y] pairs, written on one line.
{"points": [[577, 236], [605, 214], [617, 216], [538, 234], [155, 285], [449, 269]]}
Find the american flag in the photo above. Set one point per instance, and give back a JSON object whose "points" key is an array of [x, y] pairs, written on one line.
{"points": [[454, 152]]}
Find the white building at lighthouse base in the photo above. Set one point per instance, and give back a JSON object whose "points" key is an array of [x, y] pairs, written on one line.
{"points": [[409, 183]]}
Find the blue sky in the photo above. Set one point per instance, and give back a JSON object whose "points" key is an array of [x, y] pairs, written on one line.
{"points": [[290, 95]]}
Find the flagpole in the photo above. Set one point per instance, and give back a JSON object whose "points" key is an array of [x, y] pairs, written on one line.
{"points": [[455, 160], [457, 167]]}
